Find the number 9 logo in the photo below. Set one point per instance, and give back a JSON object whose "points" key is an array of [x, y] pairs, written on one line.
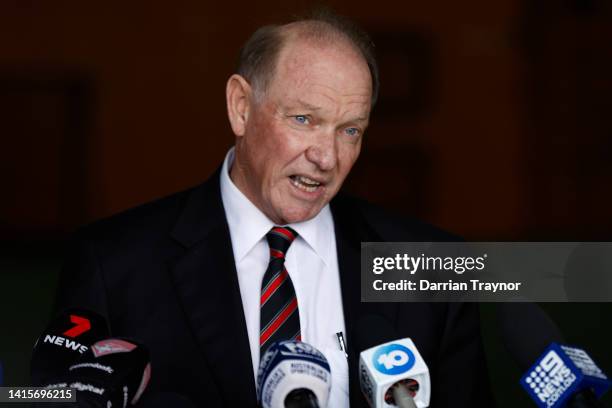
{"points": [[393, 359]]}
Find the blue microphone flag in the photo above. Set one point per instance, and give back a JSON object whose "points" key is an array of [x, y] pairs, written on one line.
{"points": [[561, 372]]}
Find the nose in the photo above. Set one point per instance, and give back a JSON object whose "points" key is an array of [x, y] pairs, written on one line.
{"points": [[323, 151]]}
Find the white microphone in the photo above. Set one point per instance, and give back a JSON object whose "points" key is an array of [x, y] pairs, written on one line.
{"points": [[293, 374], [394, 374]]}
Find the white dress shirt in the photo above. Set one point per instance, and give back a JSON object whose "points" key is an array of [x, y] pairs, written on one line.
{"points": [[312, 264]]}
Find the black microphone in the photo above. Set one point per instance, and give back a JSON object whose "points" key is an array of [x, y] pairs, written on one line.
{"points": [[113, 372], [63, 342], [561, 374]]}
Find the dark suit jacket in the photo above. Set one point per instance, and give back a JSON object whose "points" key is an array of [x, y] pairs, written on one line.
{"points": [[164, 275]]}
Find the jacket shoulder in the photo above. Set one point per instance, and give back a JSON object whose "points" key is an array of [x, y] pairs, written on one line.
{"points": [[155, 214], [140, 223], [388, 226]]}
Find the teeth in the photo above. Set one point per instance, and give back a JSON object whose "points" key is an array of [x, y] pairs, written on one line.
{"points": [[305, 183], [308, 181]]}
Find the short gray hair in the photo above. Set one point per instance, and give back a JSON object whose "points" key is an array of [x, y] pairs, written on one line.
{"points": [[258, 56]]}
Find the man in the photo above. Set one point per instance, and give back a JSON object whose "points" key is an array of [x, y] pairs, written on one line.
{"points": [[198, 276]]}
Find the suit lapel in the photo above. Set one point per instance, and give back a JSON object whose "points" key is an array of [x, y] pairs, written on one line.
{"points": [[207, 286], [348, 265]]}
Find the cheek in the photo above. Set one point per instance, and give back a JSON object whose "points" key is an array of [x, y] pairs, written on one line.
{"points": [[262, 148], [348, 156], [285, 147], [257, 137], [278, 150]]}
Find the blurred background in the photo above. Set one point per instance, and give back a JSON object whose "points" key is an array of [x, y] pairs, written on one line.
{"points": [[493, 122]]}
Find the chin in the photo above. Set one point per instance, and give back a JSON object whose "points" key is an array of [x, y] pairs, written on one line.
{"points": [[299, 215]]}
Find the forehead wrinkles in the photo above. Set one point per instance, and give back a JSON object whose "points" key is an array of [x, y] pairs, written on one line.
{"points": [[308, 56], [332, 96], [323, 76], [333, 102]]}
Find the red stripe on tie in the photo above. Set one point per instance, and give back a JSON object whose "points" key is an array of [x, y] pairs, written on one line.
{"points": [[272, 286], [282, 318], [298, 338], [275, 253], [285, 232]]}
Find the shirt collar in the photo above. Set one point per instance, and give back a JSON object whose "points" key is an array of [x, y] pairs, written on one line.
{"points": [[248, 225]]}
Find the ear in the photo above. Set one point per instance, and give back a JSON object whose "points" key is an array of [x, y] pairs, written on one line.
{"points": [[238, 99]]}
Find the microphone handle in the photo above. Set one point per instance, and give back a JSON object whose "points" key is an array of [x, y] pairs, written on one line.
{"points": [[402, 397], [584, 399], [301, 398]]}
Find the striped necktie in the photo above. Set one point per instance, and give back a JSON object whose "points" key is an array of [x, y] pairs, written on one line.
{"points": [[279, 314]]}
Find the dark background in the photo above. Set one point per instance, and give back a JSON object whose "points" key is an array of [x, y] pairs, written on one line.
{"points": [[493, 122]]}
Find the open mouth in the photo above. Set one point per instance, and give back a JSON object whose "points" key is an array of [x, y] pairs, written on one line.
{"points": [[305, 184]]}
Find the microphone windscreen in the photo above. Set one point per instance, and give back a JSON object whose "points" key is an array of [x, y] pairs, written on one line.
{"points": [[290, 365], [116, 370], [64, 341], [565, 376]]}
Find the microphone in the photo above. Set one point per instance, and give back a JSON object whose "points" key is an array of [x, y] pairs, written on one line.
{"points": [[391, 373], [113, 372], [293, 374], [565, 375], [64, 341], [562, 375]]}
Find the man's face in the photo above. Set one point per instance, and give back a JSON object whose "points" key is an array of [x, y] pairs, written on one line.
{"points": [[304, 135]]}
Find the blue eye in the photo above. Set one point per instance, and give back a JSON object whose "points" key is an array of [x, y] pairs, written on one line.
{"points": [[301, 119], [352, 131]]}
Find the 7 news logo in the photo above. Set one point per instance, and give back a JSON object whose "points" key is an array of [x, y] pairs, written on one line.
{"points": [[81, 325], [393, 359]]}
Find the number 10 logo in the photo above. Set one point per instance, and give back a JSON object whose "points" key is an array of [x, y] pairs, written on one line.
{"points": [[393, 359]]}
